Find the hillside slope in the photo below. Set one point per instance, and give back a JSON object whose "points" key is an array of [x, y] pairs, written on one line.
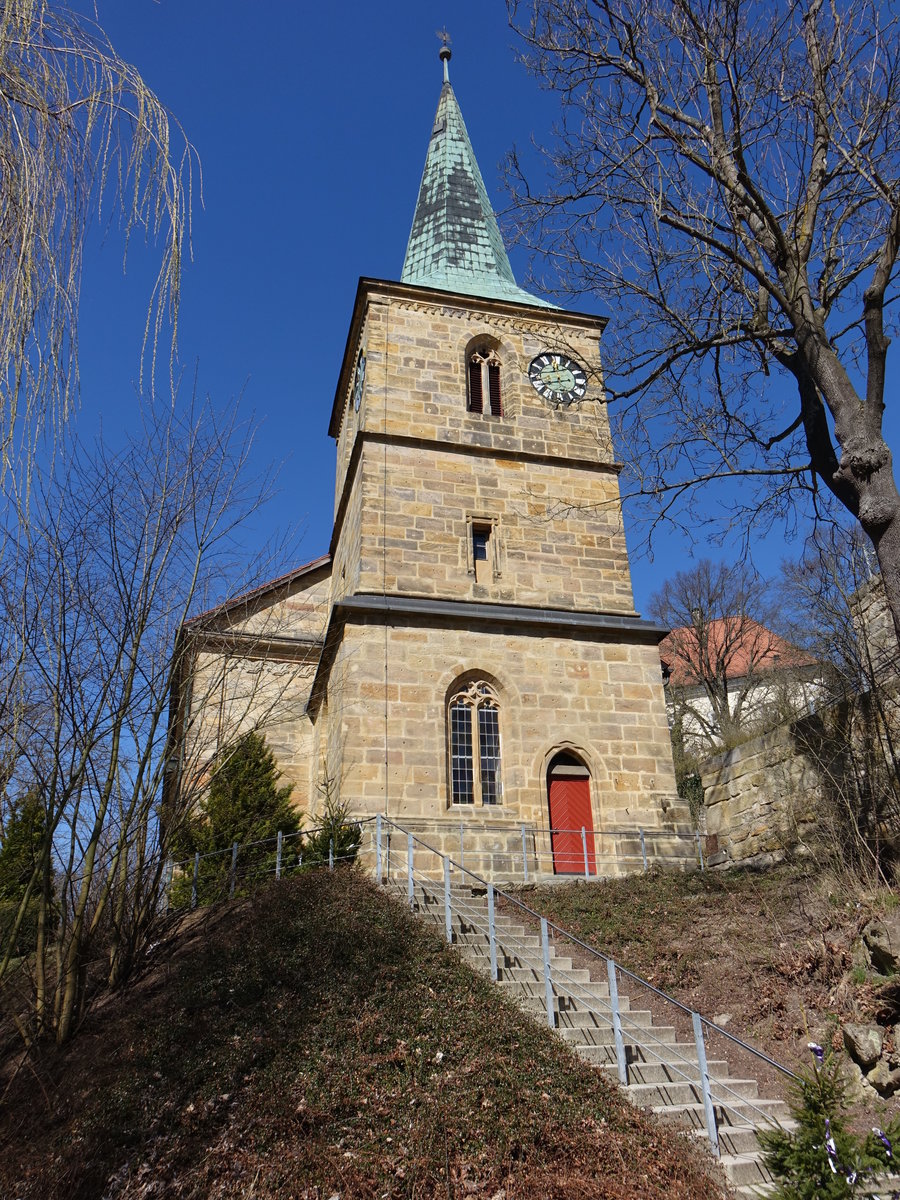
{"points": [[315, 1041]]}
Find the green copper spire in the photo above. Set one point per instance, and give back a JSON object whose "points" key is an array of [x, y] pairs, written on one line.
{"points": [[455, 243]]}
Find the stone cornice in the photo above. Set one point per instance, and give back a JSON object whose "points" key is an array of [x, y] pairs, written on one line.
{"points": [[600, 626], [269, 647]]}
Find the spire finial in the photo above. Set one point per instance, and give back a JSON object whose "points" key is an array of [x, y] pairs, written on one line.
{"points": [[444, 52]]}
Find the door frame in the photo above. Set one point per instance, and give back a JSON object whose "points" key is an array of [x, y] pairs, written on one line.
{"points": [[570, 845]]}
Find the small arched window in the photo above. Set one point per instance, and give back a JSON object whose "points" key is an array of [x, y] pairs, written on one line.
{"points": [[484, 381], [473, 717]]}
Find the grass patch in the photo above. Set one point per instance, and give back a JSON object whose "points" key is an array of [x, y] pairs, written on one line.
{"points": [[315, 1040]]}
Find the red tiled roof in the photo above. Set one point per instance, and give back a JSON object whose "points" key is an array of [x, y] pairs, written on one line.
{"points": [[738, 646]]}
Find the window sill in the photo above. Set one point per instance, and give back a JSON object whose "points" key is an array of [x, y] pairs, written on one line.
{"points": [[500, 810]]}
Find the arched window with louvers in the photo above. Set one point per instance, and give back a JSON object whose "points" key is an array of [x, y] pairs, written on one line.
{"points": [[484, 379]]}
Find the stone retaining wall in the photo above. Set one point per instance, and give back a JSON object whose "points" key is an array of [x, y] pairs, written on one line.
{"points": [[793, 785], [760, 799]]}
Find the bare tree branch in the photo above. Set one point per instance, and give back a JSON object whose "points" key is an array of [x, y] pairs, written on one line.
{"points": [[726, 177]]}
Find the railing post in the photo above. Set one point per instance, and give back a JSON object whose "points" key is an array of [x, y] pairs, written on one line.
{"points": [[233, 871], [700, 852], [548, 982], [196, 878], [409, 870], [462, 860], [621, 1060], [167, 886], [711, 1127], [644, 851], [278, 854], [587, 873], [524, 857], [492, 931], [331, 854], [378, 848], [448, 911]]}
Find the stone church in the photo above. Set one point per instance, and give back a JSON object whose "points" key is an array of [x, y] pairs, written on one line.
{"points": [[467, 652]]}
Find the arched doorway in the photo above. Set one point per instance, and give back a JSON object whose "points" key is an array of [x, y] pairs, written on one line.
{"points": [[569, 800]]}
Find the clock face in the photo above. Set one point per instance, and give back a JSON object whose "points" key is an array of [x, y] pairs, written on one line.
{"points": [[557, 378], [359, 380]]}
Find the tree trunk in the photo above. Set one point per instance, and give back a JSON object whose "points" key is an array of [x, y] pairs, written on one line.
{"points": [[887, 551]]}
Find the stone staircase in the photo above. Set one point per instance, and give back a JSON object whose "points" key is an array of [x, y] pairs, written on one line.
{"points": [[663, 1069]]}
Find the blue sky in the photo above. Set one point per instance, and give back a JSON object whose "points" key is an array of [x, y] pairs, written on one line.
{"points": [[311, 123]]}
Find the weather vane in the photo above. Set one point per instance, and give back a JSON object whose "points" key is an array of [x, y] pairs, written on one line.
{"points": [[445, 52]]}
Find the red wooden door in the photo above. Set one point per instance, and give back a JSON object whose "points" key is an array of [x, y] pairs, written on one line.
{"points": [[570, 811]]}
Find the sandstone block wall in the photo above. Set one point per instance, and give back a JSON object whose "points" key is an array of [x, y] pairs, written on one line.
{"points": [[387, 696], [760, 799], [252, 668], [416, 469], [875, 631]]}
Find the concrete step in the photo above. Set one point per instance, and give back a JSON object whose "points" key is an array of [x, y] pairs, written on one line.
{"points": [[638, 1018], [737, 1140], [679, 1091], [583, 1017], [602, 1048], [735, 1113], [533, 960], [526, 947], [746, 1170], [565, 978], [656, 1072]]}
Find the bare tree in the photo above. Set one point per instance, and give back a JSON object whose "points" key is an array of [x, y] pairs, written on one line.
{"points": [[120, 548], [726, 176], [81, 132], [727, 673], [854, 742]]}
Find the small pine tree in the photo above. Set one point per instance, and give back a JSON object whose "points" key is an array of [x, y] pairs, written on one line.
{"points": [[21, 847], [336, 834], [21, 841], [822, 1159], [244, 804]]}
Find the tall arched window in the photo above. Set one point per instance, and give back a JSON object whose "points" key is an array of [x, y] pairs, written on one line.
{"points": [[484, 381], [473, 717]]}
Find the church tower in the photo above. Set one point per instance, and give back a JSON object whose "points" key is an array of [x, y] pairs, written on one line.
{"points": [[482, 662]]}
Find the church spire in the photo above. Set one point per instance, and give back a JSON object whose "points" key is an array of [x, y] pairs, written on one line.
{"points": [[455, 243]]}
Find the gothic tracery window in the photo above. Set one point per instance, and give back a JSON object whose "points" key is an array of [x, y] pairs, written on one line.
{"points": [[484, 381], [474, 734]]}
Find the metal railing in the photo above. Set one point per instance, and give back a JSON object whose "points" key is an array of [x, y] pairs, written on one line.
{"points": [[406, 859], [218, 874], [521, 852]]}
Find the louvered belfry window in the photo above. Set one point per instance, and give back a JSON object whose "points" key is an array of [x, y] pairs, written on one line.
{"points": [[493, 370], [474, 729], [484, 383]]}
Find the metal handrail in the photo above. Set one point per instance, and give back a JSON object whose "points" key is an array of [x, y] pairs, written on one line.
{"points": [[641, 1036], [682, 1066], [664, 996]]}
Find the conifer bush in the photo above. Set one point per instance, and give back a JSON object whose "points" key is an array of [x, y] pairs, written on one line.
{"points": [[335, 832], [243, 804], [21, 846], [822, 1159]]}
